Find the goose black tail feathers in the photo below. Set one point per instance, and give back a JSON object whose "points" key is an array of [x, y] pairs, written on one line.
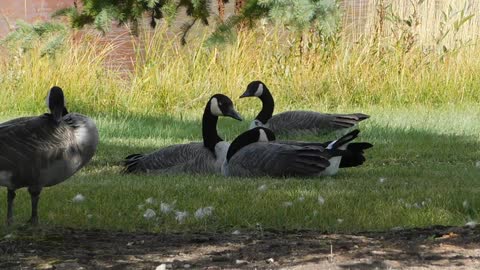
{"points": [[131, 163], [354, 154], [344, 139]]}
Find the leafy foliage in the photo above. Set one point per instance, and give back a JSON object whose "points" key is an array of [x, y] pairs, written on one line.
{"points": [[321, 15], [26, 36], [101, 13]]}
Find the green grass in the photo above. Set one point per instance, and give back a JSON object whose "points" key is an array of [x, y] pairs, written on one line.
{"points": [[424, 125], [423, 154]]}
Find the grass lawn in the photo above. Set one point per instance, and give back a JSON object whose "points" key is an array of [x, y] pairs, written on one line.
{"points": [[423, 170]]}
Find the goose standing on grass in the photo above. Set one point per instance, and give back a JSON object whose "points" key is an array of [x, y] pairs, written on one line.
{"points": [[296, 121], [42, 151], [255, 153], [204, 157]]}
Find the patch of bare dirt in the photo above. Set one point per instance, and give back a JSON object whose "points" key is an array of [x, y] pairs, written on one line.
{"points": [[429, 248]]}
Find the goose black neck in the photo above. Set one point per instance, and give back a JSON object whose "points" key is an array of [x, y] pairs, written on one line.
{"points": [[267, 106], [241, 141], [209, 129]]}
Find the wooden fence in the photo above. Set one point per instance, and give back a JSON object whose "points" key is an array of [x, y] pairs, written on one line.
{"points": [[428, 20]]}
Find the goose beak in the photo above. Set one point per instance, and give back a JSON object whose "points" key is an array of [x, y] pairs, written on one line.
{"points": [[234, 114], [244, 95]]}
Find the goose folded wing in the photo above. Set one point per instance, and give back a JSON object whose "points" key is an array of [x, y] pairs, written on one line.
{"points": [[278, 160], [30, 145], [313, 122], [174, 158]]}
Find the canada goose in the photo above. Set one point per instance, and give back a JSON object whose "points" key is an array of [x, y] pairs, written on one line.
{"points": [[256, 153], [296, 121], [43, 151], [197, 157]]}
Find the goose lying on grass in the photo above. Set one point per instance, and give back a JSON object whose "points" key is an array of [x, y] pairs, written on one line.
{"points": [[255, 153], [197, 157], [296, 121], [42, 151]]}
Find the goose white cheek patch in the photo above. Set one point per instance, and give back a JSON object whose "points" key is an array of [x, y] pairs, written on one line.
{"points": [[259, 91], [214, 108], [262, 137]]}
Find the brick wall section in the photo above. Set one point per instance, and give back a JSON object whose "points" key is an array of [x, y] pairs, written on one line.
{"points": [[39, 10]]}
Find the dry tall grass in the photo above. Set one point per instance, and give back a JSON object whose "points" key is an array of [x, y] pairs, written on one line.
{"points": [[431, 22], [170, 78]]}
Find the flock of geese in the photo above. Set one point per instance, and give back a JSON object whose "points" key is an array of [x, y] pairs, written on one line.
{"points": [[41, 151]]}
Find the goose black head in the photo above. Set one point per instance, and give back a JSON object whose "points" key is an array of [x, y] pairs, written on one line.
{"points": [[56, 103], [258, 134], [221, 105], [254, 89]]}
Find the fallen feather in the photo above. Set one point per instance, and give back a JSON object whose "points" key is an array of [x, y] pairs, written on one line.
{"points": [[236, 232], [180, 216], [203, 212], [166, 208], [78, 198], [471, 224], [241, 262], [287, 204], [150, 200], [149, 213], [321, 200], [262, 188], [161, 267]]}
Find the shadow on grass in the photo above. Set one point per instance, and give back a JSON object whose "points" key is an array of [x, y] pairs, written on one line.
{"points": [[392, 146], [400, 154], [97, 249]]}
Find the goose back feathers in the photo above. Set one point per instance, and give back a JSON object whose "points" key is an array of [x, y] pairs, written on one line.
{"points": [[296, 121], [250, 154]]}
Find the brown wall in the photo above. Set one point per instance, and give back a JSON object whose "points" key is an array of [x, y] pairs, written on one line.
{"points": [[27, 10]]}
